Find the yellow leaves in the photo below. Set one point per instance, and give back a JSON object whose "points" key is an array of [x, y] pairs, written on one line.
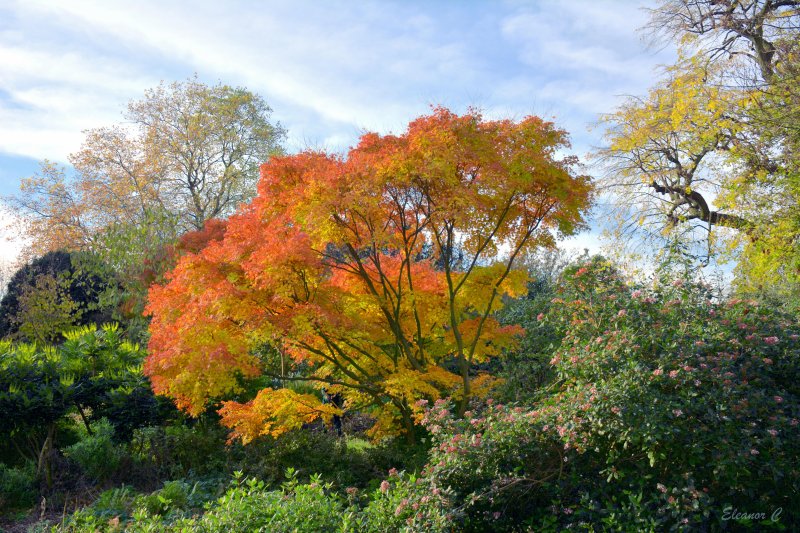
{"points": [[273, 412], [484, 384], [483, 281], [346, 261], [411, 385]]}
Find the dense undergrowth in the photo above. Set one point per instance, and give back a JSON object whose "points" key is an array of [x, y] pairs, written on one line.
{"points": [[653, 407]]}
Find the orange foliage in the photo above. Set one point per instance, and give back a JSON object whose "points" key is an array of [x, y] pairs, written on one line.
{"points": [[381, 271], [273, 412]]}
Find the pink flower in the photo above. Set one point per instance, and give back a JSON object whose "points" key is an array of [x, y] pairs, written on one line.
{"points": [[753, 451], [771, 340], [662, 488], [622, 312], [540, 317], [636, 293], [384, 486], [421, 403], [657, 372], [497, 515], [677, 283], [581, 271], [767, 361], [351, 490], [616, 410], [778, 399], [392, 471], [699, 343], [772, 432], [649, 300], [677, 412], [673, 374], [400, 507]]}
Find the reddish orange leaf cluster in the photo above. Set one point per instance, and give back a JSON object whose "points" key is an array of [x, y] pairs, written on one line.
{"points": [[380, 271]]}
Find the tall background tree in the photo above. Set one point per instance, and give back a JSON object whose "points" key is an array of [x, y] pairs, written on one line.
{"points": [[187, 152], [347, 266], [710, 154]]}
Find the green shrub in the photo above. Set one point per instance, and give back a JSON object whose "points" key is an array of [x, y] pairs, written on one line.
{"points": [[670, 406], [346, 462], [174, 496], [296, 507], [406, 503], [97, 454], [18, 487], [114, 502], [182, 451]]}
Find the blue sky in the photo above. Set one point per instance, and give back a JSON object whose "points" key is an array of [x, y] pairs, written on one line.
{"points": [[329, 70]]}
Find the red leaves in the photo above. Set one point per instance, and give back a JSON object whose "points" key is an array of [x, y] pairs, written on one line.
{"points": [[350, 265]]}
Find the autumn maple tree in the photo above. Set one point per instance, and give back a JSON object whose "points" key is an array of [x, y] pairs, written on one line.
{"points": [[376, 275]]}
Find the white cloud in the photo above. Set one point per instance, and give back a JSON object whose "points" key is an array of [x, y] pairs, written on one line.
{"points": [[330, 70], [10, 243], [324, 67]]}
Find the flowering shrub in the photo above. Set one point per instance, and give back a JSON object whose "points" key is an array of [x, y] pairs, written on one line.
{"points": [[692, 399], [498, 464], [406, 502], [669, 407]]}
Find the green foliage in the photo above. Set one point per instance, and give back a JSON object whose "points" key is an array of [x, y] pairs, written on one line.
{"points": [[311, 452], [296, 507], [180, 450], [405, 502], [39, 385], [97, 454], [174, 496], [526, 369], [54, 293], [669, 406], [18, 487], [118, 501], [667, 385]]}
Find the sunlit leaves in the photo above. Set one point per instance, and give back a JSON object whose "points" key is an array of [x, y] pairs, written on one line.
{"points": [[379, 272]]}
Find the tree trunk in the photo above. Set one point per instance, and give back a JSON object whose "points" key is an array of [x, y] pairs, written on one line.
{"points": [[44, 466]]}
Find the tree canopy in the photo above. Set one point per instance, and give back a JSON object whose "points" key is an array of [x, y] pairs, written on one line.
{"points": [[52, 294], [187, 152], [347, 265], [711, 151]]}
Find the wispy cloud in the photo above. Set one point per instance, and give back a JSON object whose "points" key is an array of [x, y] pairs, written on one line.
{"points": [[329, 69], [325, 67]]}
